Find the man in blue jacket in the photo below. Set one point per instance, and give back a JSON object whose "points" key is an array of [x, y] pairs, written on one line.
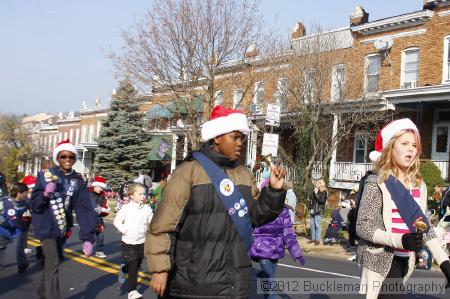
{"points": [[58, 191]]}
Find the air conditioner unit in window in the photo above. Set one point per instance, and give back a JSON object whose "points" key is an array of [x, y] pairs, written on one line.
{"points": [[409, 84]]}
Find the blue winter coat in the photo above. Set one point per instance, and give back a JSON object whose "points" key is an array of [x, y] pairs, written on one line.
{"points": [[44, 223], [270, 239], [11, 222]]}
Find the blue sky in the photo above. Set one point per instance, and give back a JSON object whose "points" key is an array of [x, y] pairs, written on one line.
{"points": [[52, 52]]}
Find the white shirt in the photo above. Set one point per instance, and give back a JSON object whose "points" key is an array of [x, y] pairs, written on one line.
{"points": [[132, 221]]}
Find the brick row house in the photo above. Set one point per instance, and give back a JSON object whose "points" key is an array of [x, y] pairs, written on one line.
{"points": [[400, 65], [81, 127]]}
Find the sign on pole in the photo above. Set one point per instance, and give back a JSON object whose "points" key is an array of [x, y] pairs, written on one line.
{"points": [[162, 149], [270, 144], [273, 115]]}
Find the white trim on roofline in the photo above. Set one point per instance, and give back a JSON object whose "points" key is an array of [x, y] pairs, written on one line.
{"points": [[396, 35], [406, 20], [444, 13]]}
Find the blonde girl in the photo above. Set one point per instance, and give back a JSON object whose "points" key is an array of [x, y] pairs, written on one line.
{"points": [[391, 209], [132, 221], [317, 201]]}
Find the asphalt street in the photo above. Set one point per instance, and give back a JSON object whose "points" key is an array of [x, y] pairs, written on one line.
{"points": [[87, 278]]}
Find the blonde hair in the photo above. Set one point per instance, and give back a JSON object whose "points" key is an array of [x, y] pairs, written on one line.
{"points": [[386, 165], [134, 187], [322, 186]]}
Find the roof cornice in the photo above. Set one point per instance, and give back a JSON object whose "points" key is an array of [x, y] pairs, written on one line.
{"points": [[387, 24]]}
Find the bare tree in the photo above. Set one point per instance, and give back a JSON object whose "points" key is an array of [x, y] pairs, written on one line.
{"points": [[323, 101], [180, 47]]}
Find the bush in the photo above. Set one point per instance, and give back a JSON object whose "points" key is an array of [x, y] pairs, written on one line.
{"points": [[431, 176]]}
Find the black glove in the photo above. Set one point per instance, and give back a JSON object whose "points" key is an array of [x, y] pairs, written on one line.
{"points": [[445, 267], [412, 241]]}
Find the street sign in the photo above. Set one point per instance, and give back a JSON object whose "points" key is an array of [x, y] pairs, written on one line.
{"points": [[273, 115], [270, 144]]}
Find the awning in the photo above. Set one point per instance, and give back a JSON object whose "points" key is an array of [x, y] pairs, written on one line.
{"points": [[158, 111], [160, 148], [180, 105]]}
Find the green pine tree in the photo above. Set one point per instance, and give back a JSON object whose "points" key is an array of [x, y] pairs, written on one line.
{"points": [[122, 143]]}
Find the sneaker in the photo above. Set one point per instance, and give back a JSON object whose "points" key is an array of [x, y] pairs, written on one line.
{"points": [[22, 268], [100, 254], [28, 251], [134, 295], [121, 274]]}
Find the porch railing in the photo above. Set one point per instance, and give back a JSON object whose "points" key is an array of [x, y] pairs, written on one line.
{"points": [[350, 172]]}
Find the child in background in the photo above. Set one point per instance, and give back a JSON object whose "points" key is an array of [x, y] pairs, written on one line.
{"points": [[101, 209], [334, 228], [132, 221], [12, 225]]}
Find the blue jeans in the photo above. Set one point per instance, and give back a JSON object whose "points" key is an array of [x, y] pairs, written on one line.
{"points": [[316, 226], [99, 242], [21, 244], [268, 268]]}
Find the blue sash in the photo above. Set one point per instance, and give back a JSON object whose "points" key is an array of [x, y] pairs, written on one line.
{"points": [[231, 197], [406, 205]]}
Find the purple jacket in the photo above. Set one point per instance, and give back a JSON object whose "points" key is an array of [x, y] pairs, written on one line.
{"points": [[270, 239]]}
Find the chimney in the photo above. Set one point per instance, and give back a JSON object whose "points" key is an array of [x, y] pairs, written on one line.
{"points": [[359, 16], [251, 51], [299, 30], [429, 4]]}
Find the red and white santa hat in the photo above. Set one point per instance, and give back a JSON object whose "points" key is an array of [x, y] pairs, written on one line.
{"points": [[387, 132], [224, 120], [64, 145], [99, 181], [29, 180]]}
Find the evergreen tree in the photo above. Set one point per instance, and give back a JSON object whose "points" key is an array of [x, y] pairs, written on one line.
{"points": [[122, 143]]}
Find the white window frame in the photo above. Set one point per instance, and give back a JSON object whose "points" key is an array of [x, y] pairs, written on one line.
{"points": [[446, 61], [309, 85], [238, 95], [84, 133], [91, 136], [441, 156], [412, 84], [366, 81], [77, 136], [336, 86], [281, 93], [71, 136], [366, 142], [258, 96], [99, 125], [218, 97]]}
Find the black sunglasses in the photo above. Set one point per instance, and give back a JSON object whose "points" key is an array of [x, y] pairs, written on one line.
{"points": [[63, 157]]}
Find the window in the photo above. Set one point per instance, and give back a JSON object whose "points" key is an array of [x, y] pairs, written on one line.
{"points": [[446, 64], [99, 124], [77, 136], [237, 98], [441, 136], [337, 82], [84, 133], [71, 136], [360, 148], [259, 93], [218, 98], [65, 136], [373, 65], [280, 94], [410, 68], [308, 86], [91, 133]]}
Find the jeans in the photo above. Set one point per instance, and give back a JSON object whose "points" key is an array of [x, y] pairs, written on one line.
{"points": [[21, 244], [268, 268], [316, 226], [99, 242]]}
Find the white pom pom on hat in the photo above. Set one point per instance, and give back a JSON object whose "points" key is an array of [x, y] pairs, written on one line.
{"points": [[224, 120], [387, 132], [99, 181], [64, 145]]}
